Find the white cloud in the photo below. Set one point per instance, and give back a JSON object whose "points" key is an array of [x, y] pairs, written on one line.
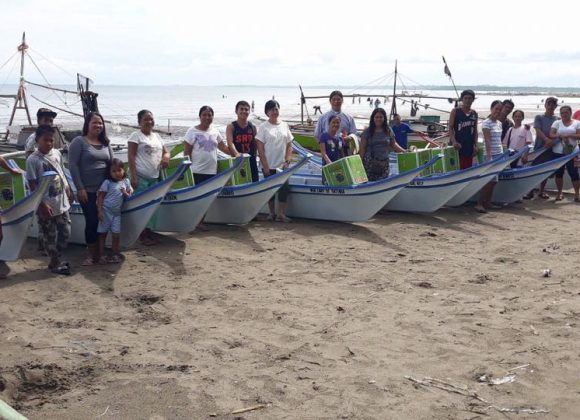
{"points": [[264, 42]]}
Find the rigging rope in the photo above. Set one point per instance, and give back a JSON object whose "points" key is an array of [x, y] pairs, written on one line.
{"points": [[9, 74], [47, 82], [54, 64], [6, 62]]}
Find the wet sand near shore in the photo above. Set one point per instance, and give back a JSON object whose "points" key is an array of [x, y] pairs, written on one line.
{"points": [[308, 320]]}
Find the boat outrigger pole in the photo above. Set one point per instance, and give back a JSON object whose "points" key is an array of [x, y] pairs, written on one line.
{"points": [[20, 99], [448, 73], [394, 103]]}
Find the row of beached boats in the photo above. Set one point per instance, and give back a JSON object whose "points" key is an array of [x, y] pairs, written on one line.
{"points": [[181, 209]]}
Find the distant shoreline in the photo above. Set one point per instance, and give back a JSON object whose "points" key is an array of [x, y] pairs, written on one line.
{"points": [[485, 89]]}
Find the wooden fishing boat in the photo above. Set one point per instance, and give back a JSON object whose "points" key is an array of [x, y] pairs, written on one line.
{"points": [[241, 203], [16, 219]]}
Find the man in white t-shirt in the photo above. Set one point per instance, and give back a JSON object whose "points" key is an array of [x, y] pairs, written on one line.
{"points": [[44, 116]]}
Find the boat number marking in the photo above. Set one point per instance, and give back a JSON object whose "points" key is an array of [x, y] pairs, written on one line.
{"points": [[327, 191], [228, 193], [416, 183], [170, 197]]}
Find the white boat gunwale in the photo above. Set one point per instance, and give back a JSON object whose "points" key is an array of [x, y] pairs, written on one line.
{"points": [[186, 190], [359, 189], [505, 174], [271, 179]]}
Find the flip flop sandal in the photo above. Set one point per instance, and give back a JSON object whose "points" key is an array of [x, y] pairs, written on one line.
{"points": [[560, 197], [114, 259], [63, 269], [88, 262], [544, 196], [283, 219]]}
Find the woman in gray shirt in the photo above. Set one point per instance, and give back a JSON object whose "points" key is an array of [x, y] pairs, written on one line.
{"points": [[89, 157], [376, 142]]}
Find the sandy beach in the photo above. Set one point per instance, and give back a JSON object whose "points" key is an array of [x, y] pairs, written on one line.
{"points": [[310, 320]]}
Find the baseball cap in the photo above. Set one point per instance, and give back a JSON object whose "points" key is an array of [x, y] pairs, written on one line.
{"points": [[42, 112]]}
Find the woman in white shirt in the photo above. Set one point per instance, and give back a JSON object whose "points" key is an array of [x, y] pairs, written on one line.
{"points": [[565, 134], [201, 145], [491, 129], [274, 144], [518, 137], [147, 155]]}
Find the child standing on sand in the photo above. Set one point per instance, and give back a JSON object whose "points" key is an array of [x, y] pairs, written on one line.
{"points": [[110, 198], [53, 217]]}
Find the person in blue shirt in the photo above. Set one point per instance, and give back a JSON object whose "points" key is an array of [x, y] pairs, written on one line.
{"points": [[402, 130]]}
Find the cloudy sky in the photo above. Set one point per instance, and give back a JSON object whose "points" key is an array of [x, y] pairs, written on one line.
{"points": [[169, 42]]}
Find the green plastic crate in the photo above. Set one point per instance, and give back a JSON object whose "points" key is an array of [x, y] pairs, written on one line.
{"points": [[450, 161], [346, 171], [243, 175], [12, 189], [412, 160], [184, 181], [480, 152]]}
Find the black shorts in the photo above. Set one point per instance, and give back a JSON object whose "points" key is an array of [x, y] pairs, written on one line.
{"points": [[547, 156], [199, 178]]}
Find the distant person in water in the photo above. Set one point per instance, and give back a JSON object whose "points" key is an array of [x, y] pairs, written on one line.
{"points": [[377, 103], [347, 125], [241, 137], [463, 129], [252, 106], [317, 109]]}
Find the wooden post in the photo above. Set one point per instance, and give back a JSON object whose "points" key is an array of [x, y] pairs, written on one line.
{"points": [[21, 102]]}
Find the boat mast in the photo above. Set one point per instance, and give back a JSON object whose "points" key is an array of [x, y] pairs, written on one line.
{"points": [[21, 102], [394, 104]]}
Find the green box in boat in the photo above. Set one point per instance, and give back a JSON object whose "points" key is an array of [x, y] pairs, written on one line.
{"points": [[12, 189], [450, 161], [243, 175], [346, 171], [184, 181], [411, 160]]}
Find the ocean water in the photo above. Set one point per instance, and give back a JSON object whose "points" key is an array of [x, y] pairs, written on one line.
{"points": [[176, 107]]}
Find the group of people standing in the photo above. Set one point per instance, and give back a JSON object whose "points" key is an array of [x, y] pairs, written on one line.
{"points": [[555, 137], [377, 141], [102, 183]]}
